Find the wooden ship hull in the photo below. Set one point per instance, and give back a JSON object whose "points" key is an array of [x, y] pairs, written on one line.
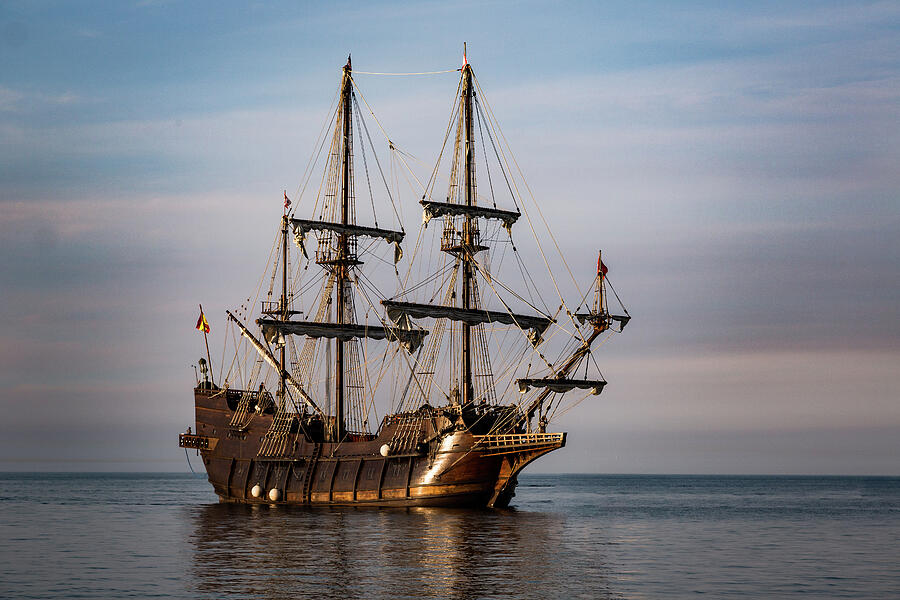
{"points": [[425, 468]]}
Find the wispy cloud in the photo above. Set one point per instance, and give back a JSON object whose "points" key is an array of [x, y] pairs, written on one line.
{"points": [[9, 98], [20, 101], [828, 18]]}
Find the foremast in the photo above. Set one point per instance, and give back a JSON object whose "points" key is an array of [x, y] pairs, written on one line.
{"points": [[471, 377], [467, 252]]}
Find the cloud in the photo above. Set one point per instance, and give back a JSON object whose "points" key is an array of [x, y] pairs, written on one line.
{"points": [[9, 99], [19, 101], [865, 16], [751, 391], [739, 174]]}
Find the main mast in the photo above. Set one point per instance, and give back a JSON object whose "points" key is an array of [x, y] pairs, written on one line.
{"points": [[337, 233], [344, 258]]}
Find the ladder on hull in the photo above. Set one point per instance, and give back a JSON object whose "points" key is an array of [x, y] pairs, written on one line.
{"points": [[308, 476]]}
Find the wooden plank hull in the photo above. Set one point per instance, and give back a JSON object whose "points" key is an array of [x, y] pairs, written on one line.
{"points": [[458, 469]]}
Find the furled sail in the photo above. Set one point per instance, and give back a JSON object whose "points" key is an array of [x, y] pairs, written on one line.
{"points": [[439, 209], [472, 316], [595, 318], [302, 226], [560, 385], [410, 338]]}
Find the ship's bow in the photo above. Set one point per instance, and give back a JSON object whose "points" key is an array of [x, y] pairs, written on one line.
{"points": [[517, 450]]}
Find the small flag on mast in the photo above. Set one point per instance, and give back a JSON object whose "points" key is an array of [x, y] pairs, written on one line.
{"points": [[202, 324], [601, 268], [287, 201]]}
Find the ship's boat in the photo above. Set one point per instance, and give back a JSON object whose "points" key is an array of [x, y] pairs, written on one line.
{"points": [[472, 363]]}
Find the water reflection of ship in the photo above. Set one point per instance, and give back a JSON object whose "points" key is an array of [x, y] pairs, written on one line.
{"points": [[289, 552]]}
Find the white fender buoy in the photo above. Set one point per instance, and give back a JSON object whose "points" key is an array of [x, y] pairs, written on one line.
{"points": [[385, 449], [256, 492], [274, 494]]}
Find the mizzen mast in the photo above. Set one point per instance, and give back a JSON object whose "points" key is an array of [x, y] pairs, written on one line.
{"points": [[283, 308]]}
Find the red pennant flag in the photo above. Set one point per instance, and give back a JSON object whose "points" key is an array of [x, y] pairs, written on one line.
{"points": [[601, 268], [287, 202], [202, 324]]}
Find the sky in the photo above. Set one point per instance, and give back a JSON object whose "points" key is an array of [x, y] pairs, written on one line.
{"points": [[737, 163]]}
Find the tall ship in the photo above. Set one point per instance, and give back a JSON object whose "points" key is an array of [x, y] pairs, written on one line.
{"points": [[469, 358]]}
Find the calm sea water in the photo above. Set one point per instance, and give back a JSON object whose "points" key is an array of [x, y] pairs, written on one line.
{"points": [[164, 536]]}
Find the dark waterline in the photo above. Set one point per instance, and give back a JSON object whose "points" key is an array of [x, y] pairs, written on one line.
{"points": [[568, 536]]}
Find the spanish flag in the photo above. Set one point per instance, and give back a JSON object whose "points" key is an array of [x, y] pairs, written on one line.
{"points": [[202, 324]]}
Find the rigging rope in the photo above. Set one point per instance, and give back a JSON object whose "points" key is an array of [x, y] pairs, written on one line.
{"points": [[493, 120], [485, 336], [317, 151], [406, 74], [386, 137]]}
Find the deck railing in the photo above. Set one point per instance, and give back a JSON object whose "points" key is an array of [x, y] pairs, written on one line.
{"points": [[511, 442]]}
